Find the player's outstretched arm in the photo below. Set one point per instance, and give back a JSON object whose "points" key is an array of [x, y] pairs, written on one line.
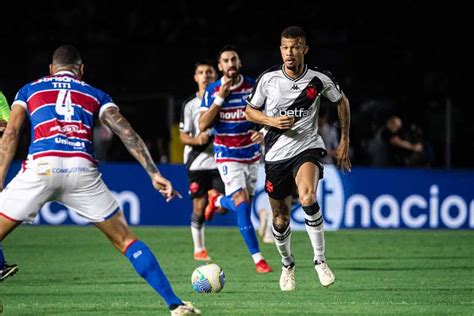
{"points": [[135, 145], [257, 116], [342, 151], [198, 140], [9, 142]]}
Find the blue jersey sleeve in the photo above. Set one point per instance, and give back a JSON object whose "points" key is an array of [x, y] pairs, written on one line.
{"points": [[208, 98], [21, 97], [105, 101]]}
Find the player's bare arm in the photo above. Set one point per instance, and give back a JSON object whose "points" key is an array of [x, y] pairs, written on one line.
{"points": [[198, 140], [342, 151], [257, 116], [397, 141], [9, 142], [135, 145], [207, 117]]}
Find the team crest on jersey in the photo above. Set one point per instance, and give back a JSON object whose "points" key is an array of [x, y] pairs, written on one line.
{"points": [[311, 92]]}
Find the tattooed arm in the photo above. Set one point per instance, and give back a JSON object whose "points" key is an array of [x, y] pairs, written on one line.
{"points": [[342, 151], [9, 142], [135, 145]]}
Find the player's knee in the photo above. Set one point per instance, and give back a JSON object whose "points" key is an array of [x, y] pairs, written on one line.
{"points": [[307, 196], [281, 222], [280, 226], [311, 209]]}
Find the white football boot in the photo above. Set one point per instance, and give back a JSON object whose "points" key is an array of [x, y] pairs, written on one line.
{"points": [[287, 278], [186, 309], [326, 277]]}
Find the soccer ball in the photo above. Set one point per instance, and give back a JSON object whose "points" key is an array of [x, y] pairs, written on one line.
{"points": [[208, 278]]}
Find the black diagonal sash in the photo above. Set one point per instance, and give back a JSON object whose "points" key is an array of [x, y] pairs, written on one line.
{"points": [[196, 151], [303, 101]]}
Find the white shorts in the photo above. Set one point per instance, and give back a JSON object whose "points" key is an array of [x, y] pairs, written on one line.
{"points": [[237, 175], [75, 182]]}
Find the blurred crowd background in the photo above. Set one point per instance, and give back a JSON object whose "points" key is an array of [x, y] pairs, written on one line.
{"points": [[404, 67]]}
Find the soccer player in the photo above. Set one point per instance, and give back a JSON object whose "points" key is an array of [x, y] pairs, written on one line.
{"points": [[291, 94], [4, 112], [199, 157], [61, 166], [236, 147]]}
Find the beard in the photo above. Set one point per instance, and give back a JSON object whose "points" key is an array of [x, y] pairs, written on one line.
{"points": [[232, 73]]}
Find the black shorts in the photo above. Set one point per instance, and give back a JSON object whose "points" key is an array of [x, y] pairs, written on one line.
{"points": [[280, 176], [201, 181]]}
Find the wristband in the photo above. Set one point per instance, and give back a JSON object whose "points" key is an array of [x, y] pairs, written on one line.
{"points": [[219, 101]]}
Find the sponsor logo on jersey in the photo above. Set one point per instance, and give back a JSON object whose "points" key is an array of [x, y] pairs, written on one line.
{"points": [[68, 129], [76, 144], [292, 113], [294, 87], [232, 115]]}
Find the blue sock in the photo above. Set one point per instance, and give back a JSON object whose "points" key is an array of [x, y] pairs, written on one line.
{"points": [[148, 268], [2, 257], [228, 203], [246, 228]]}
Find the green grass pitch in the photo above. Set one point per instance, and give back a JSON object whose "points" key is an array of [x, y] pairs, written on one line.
{"points": [[74, 270]]}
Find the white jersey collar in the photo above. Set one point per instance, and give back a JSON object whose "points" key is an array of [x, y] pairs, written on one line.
{"points": [[241, 80]]}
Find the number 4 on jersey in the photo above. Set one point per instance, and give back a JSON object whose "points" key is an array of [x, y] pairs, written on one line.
{"points": [[64, 105]]}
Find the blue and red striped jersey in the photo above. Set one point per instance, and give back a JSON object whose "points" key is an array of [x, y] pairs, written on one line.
{"points": [[62, 110], [232, 131]]}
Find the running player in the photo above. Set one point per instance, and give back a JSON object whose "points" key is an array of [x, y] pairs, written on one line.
{"points": [[236, 147], [62, 109], [199, 157], [291, 94]]}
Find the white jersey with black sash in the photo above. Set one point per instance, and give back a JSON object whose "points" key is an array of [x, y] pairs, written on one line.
{"points": [[195, 157], [278, 94]]}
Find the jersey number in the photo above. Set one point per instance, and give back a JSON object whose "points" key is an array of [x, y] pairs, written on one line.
{"points": [[64, 105]]}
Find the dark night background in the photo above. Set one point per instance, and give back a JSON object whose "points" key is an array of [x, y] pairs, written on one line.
{"points": [[407, 58]]}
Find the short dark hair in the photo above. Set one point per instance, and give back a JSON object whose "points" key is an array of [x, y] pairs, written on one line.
{"points": [[66, 55], [202, 62], [227, 48], [293, 32]]}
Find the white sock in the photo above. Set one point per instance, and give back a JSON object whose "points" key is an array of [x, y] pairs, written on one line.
{"points": [[315, 228], [257, 257], [283, 244], [218, 201], [198, 238]]}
